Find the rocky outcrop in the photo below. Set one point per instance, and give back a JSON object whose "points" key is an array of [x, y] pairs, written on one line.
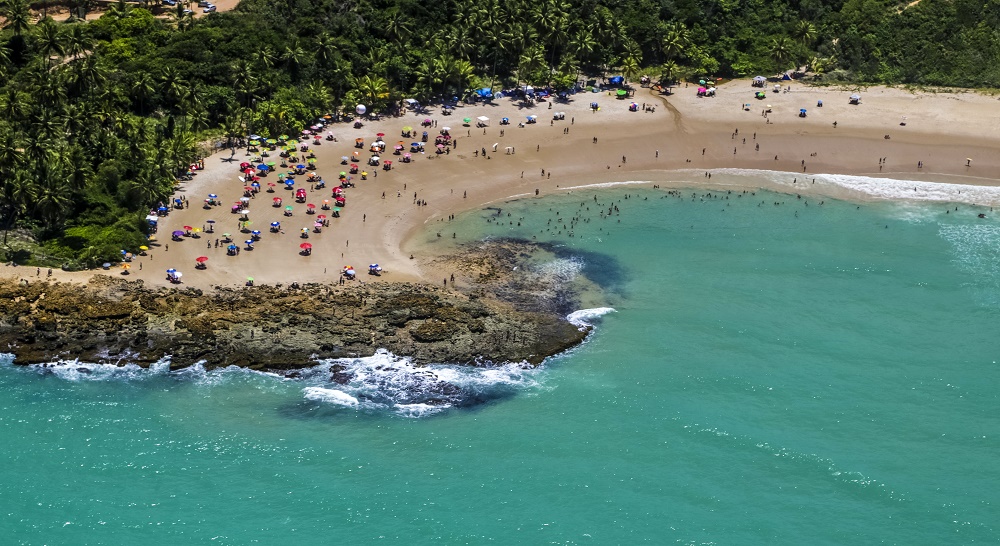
{"points": [[269, 327]]}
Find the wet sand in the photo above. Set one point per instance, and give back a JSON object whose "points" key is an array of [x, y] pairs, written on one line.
{"points": [[684, 134]]}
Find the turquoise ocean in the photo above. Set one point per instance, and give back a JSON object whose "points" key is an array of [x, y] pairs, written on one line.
{"points": [[764, 369]]}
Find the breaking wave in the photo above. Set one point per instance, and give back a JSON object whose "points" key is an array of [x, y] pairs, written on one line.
{"points": [[386, 382], [584, 317], [877, 187]]}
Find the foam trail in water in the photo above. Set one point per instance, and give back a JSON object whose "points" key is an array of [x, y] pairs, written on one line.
{"points": [[582, 318]]}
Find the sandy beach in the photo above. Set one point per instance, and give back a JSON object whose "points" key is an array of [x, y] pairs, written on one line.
{"points": [[675, 132]]}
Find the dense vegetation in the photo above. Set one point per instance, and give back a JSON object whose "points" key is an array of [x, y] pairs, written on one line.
{"points": [[97, 119]]}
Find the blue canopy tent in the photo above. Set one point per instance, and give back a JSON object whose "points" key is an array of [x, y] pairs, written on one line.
{"points": [[616, 80], [485, 93]]}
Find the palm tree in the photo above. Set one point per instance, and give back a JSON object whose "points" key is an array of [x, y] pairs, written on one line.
{"points": [[78, 42], [668, 73], [501, 45], [374, 89], [18, 16], [172, 84], [12, 106], [4, 56], [781, 50], [319, 96], [181, 17], [93, 74], [426, 79], [50, 40], [326, 49], [530, 64], [122, 10], [53, 197], [675, 41], [583, 44], [398, 28], [17, 197], [805, 32], [293, 57], [630, 68], [142, 89], [263, 58]]}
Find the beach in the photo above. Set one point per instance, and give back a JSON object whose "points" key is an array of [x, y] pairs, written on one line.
{"points": [[679, 132]]}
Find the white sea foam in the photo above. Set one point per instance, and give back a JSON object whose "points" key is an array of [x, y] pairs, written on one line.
{"points": [[75, 370], [582, 318], [876, 187], [332, 396], [608, 184], [561, 269], [386, 382], [382, 382]]}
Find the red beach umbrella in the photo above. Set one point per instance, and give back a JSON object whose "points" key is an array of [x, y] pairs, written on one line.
{"points": [[305, 246], [201, 259]]}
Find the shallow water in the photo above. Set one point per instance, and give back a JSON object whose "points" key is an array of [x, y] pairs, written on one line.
{"points": [[821, 374]]}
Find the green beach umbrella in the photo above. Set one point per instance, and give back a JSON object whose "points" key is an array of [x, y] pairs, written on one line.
{"points": [[622, 92], [271, 163], [272, 141], [467, 120], [288, 208], [336, 209], [283, 137]]}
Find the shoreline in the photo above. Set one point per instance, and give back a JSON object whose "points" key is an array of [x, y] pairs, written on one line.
{"points": [[659, 146]]}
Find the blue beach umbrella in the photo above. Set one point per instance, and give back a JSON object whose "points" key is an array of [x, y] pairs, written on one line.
{"points": [[171, 270], [255, 232], [213, 196], [262, 167]]}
